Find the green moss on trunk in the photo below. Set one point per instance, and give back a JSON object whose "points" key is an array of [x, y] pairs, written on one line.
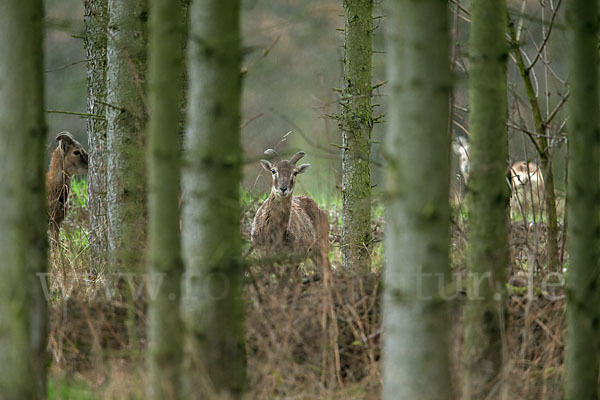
{"points": [[356, 124]]}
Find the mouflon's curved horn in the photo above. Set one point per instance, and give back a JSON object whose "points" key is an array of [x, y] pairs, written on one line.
{"points": [[297, 157]]}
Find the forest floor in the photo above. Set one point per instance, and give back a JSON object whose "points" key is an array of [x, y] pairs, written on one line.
{"points": [[304, 339]]}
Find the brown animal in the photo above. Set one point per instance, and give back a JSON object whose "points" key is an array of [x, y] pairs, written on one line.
{"points": [[525, 178], [69, 158], [527, 184], [290, 225]]}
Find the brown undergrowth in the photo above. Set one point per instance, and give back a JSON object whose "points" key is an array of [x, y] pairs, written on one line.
{"points": [[309, 335], [535, 328], [314, 339]]}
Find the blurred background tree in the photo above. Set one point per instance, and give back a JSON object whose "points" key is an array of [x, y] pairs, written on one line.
{"points": [[294, 57], [293, 51]]}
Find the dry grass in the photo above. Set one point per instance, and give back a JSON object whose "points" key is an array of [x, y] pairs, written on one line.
{"points": [[305, 338], [313, 340]]}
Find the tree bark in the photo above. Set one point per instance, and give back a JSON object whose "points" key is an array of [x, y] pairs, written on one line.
{"points": [[126, 119], [213, 308], [488, 199], [583, 292], [23, 217], [96, 24], [356, 124], [544, 150], [165, 74], [416, 313]]}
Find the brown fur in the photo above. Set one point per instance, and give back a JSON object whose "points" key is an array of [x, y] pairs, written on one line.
{"points": [[290, 225], [521, 173], [69, 158], [526, 179], [527, 184]]}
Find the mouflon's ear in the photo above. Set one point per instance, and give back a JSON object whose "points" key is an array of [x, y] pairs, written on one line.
{"points": [[266, 165], [272, 153], [302, 168], [65, 139]]}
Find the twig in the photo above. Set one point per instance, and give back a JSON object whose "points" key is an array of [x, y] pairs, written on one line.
{"points": [[265, 53], [563, 100], [302, 133], [66, 66], [463, 9], [250, 120], [546, 37], [462, 128], [520, 26], [79, 114]]}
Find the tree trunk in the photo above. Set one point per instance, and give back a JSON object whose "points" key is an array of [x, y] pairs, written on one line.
{"points": [[488, 199], [23, 217], [96, 24], [544, 150], [583, 281], [416, 313], [356, 124], [165, 73], [213, 308], [126, 119]]}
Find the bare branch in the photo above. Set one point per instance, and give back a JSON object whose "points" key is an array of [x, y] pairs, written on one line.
{"points": [[79, 114], [545, 41], [556, 109]]}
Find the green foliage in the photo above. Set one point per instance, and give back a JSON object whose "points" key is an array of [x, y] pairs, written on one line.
{"points": [[63, 389], [459, 213], [75, 231], [377, 211], [77, 237], [79, 191], [248, 198]]}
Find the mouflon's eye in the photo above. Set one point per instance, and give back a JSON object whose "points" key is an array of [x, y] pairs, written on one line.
{"points": [[273, 171], [76, 152]]}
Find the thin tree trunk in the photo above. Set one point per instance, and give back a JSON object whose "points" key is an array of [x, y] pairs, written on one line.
{"points": [[545, 151], [583, 291], [356, 124], [165, 73], [213, 308], [488, 199], [416, 313], [96, 24], [126, 120], [23, 217]]}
